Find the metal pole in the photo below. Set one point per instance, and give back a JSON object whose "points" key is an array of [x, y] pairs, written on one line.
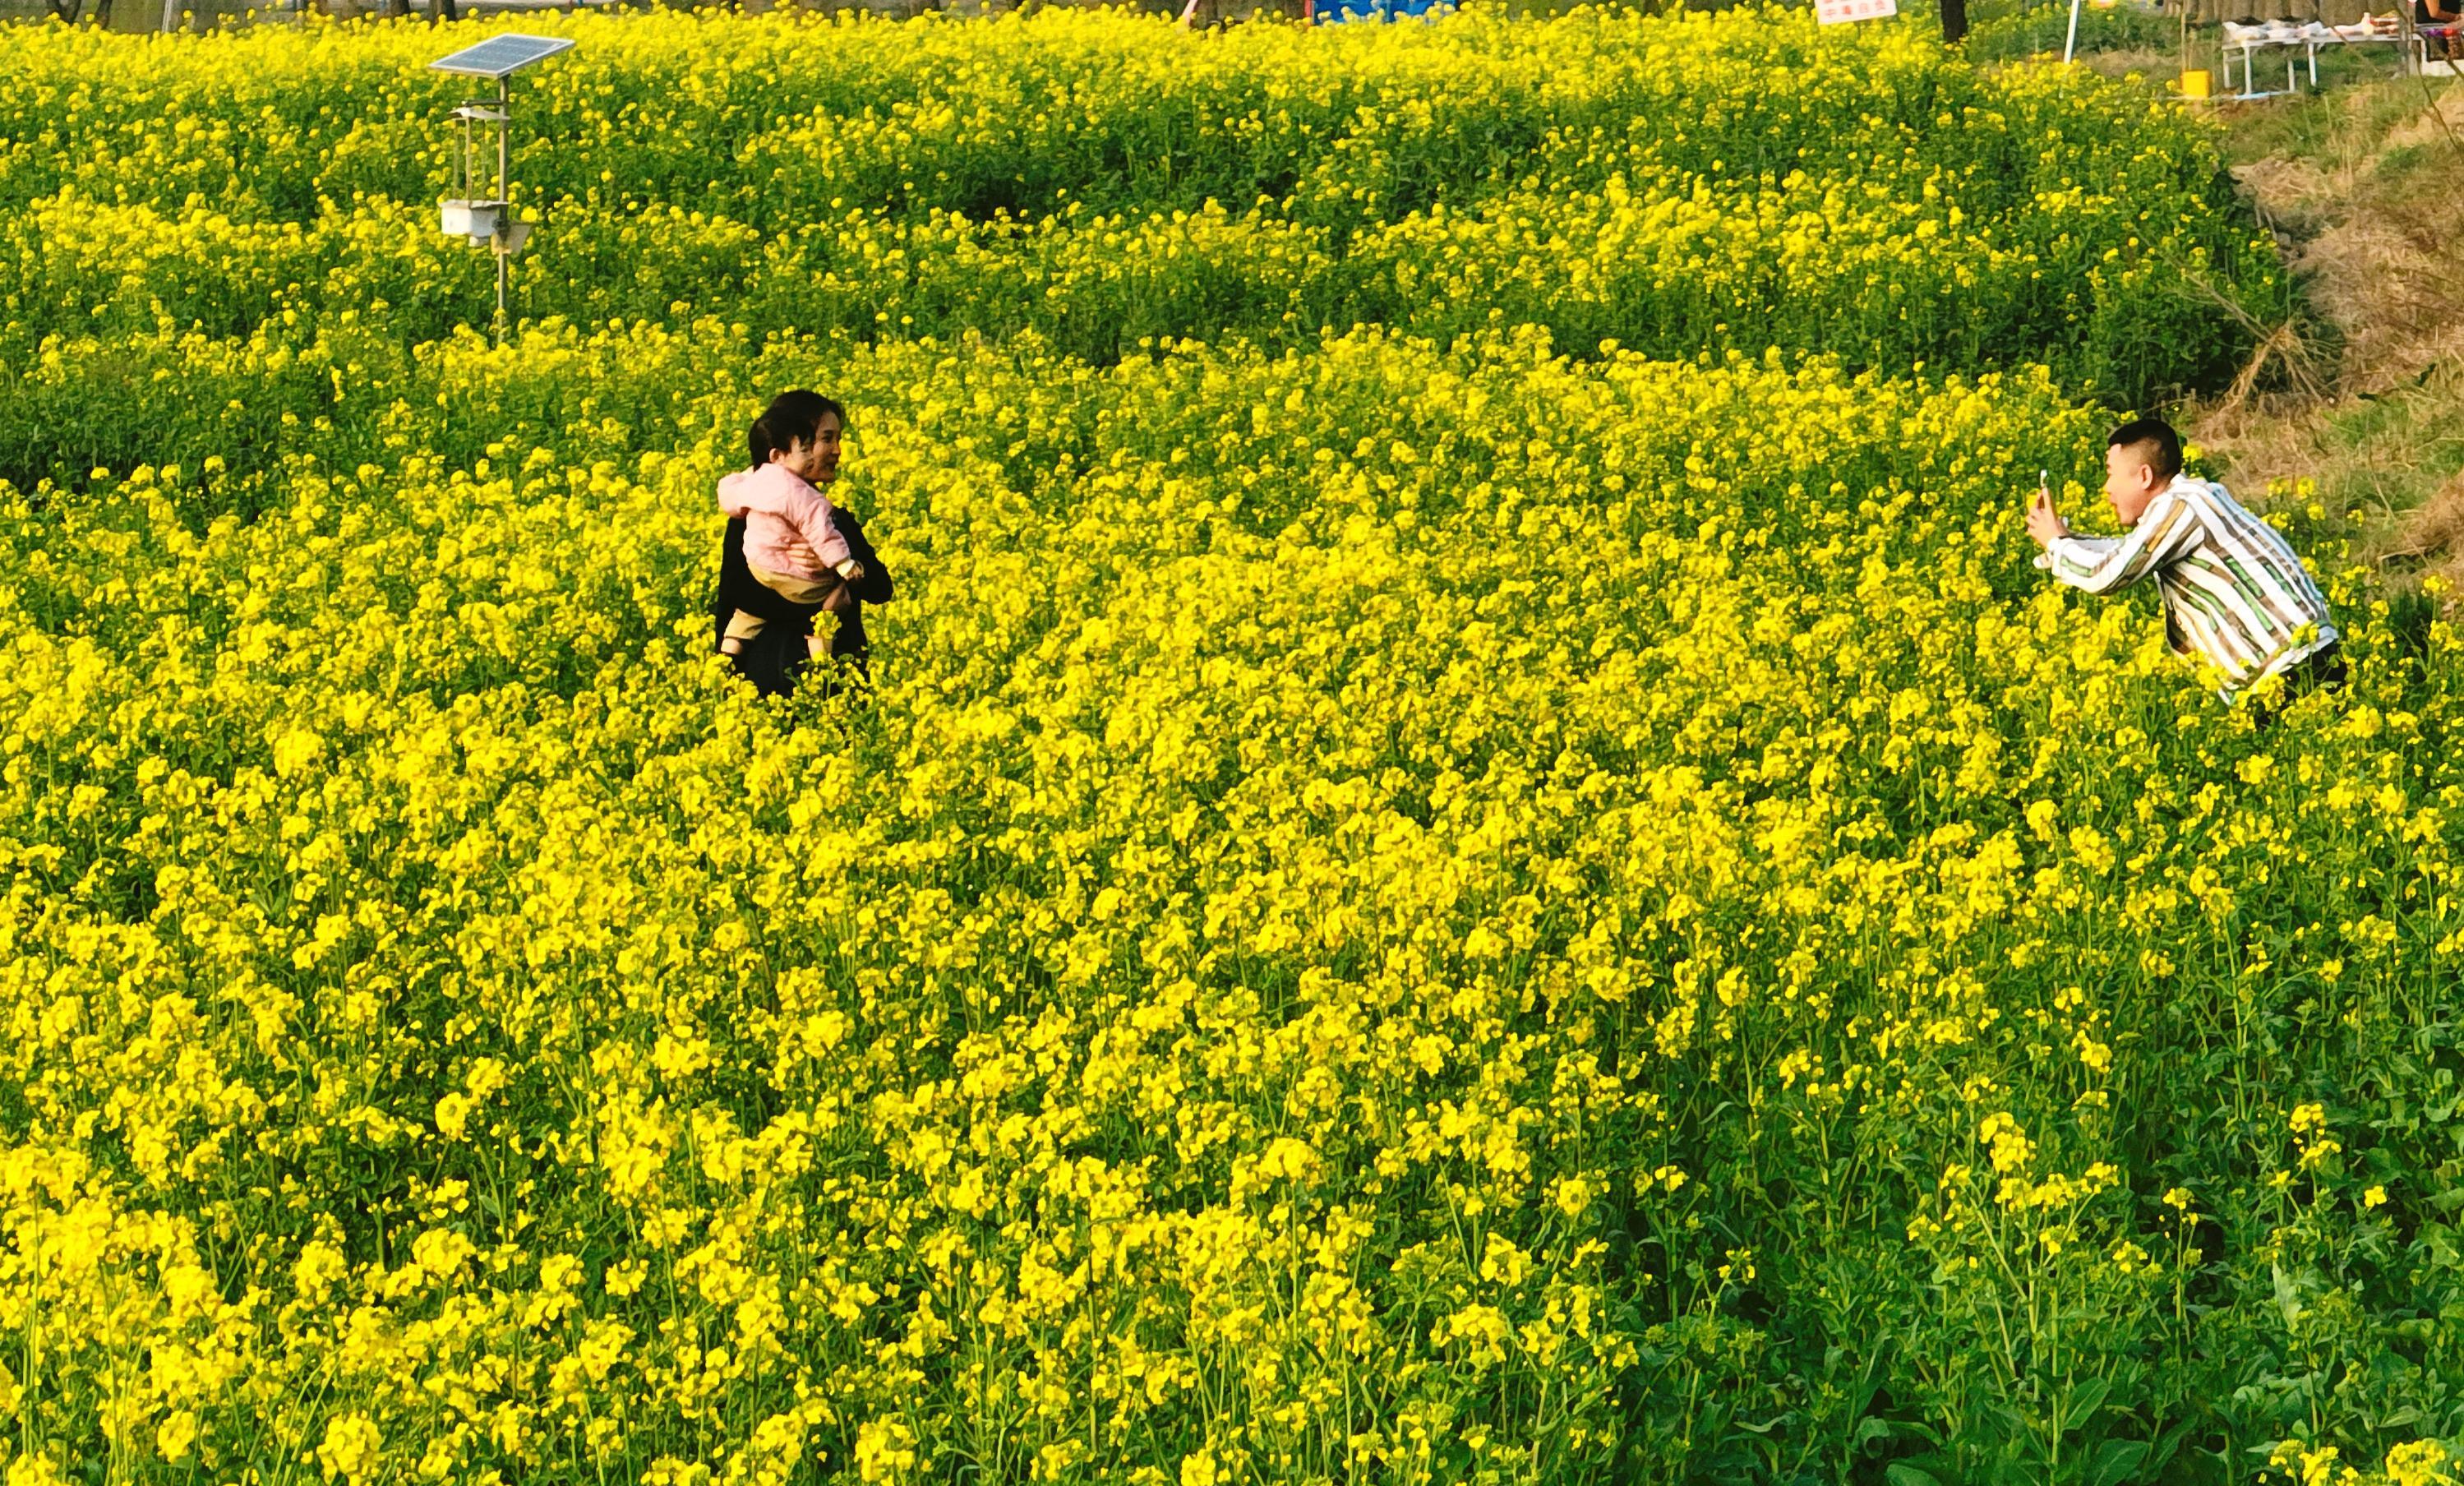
{"points": [[2071, 46], [505, 194], [504, 137]]}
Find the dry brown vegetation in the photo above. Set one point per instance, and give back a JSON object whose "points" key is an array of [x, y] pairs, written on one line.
{"points": [[2363, 396]]}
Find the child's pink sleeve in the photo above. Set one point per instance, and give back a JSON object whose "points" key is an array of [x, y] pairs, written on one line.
{"points": [[733, 490], [818, 525]]}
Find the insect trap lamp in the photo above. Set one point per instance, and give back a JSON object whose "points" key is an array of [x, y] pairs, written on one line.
{"points": [[481, 208]]}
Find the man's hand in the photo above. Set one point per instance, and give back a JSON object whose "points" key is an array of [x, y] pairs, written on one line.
{"points": [[2044, 522]]}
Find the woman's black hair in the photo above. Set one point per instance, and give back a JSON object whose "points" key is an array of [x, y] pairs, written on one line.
{"points": [[792, 418]]}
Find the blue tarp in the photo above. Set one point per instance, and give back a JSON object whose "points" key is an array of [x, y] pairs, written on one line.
{"points": [[1331, 12]]}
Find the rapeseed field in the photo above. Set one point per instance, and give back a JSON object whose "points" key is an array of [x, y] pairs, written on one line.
{"points": [[1473, 854]]}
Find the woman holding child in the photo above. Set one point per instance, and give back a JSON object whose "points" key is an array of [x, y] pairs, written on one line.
{"points": [[790, 555]]}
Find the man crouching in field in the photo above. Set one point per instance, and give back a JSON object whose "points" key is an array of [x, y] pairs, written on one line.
{"points": [[2234, 594]]}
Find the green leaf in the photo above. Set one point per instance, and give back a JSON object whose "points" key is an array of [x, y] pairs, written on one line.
{"points": [[2116, 1460], [2085, 1399]]}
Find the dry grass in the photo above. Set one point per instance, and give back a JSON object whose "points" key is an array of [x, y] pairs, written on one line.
{"points": [[2378, 257], [2429, 538], [2363, 402]]}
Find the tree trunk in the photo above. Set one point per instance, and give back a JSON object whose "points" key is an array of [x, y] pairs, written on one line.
{"points": [[442, 11], [1954, 21]]}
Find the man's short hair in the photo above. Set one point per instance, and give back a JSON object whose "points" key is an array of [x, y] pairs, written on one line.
{"points": [[2154, 440]]}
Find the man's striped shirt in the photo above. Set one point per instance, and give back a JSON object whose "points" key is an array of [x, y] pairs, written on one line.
{"points": [[2235, 593]]}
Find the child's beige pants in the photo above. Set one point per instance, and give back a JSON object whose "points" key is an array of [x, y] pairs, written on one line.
{"points": [[742, 626]]}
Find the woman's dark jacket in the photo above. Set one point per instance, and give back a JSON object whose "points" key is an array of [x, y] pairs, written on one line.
{"points": [[772, 659]]}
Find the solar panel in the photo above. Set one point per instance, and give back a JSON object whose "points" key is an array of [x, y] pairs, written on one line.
{"points": [[498, 56]]}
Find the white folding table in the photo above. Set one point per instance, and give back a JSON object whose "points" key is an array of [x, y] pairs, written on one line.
{"points": [[2249, 47], [2308, 43]]}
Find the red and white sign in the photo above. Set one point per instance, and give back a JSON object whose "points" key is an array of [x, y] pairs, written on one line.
{"points": [[1831, 12]]}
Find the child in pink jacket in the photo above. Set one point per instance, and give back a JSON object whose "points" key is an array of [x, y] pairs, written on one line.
{"points": [[791, 543]]}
